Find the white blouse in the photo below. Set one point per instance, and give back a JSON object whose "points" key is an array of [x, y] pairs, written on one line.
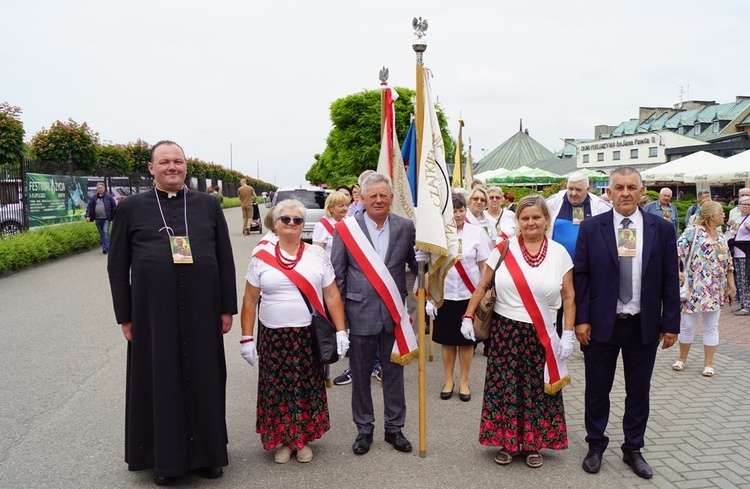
{"points": [[282, 305], [507, 224], [321, 234], [549, 274], [473, 249]]}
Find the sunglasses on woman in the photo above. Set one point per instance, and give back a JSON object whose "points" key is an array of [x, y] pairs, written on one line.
{"points": [[298, 221]]}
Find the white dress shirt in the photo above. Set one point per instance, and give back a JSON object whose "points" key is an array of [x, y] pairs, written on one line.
{"points": [[634, 306]]}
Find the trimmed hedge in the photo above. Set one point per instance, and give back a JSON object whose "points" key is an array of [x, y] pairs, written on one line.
{"points": [[30, 247]]}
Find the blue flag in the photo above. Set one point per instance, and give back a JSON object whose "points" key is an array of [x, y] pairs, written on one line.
{"points": [[409, 155]]}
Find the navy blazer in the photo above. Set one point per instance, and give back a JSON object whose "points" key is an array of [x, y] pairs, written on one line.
{"points": [[596, 273]]}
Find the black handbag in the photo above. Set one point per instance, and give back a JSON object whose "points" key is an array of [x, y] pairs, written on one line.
{"points": [[325, 346]]}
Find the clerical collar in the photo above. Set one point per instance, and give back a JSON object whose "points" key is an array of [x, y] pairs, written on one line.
{"points": [[169, 230], [168, 193]]}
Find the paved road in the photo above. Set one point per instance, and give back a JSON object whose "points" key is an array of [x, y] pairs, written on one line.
{"points": [[62, 376]]}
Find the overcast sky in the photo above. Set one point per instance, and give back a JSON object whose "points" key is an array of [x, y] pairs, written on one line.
{"points": [[262, 74]]}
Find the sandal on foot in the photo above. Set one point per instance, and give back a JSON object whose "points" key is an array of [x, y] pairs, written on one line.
{"points": [[503, 457], [534, 460], [679, 365], [708, 371]]}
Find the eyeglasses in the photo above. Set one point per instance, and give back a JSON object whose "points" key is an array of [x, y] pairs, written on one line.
{"points": [[298, 221], [477, 199], [495, 197]]}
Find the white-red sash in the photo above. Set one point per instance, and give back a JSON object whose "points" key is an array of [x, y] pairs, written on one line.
{"points": [[464, 276], [266, 253], [555, 371], [326, 224], [405, 346]]}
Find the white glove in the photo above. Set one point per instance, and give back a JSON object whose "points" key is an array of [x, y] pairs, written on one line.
{"points": [[430, 309], [342, 343], [248, 351], [467, 329], [566, 344], [422, 256]]}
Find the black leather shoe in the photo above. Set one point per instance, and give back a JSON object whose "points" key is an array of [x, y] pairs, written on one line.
{"points": [[446, 395], [210, 472], [163, 480], [362, 444], [465, 397], [399, 441], [640, 467], [593, 462]]}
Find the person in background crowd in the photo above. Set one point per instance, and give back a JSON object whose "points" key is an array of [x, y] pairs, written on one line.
{"points": [[173, 316], [568, 209], [384, 243], [477, 183], [460, 283], [501, 222], [735, 212], [246, 193], [703, 196], [101, 209], [710, 276], [663, 208], [509, 198], [337, 203], [346, 191], [477, 202], [217, 193], [358, 206], [739, 240], [643, 202], [634, 317], [522, 410], [292, 406]]}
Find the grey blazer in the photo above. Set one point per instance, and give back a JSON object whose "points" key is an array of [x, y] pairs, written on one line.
{"points": [[366, 313]]}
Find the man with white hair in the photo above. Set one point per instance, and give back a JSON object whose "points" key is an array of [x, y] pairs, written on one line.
{"points": [[568, 208], [664, 209], [735, 212]]}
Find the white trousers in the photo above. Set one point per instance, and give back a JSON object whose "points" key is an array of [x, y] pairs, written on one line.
{"points": [[689, 323]]}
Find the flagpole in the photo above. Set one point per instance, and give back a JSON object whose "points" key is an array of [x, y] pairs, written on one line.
{"points": [[420, 46], [383, 84]]}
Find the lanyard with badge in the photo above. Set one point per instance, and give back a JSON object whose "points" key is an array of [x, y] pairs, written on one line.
{"points": [[179, 246]]}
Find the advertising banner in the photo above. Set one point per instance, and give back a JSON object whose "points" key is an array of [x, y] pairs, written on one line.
{"points": [[55, 199]]}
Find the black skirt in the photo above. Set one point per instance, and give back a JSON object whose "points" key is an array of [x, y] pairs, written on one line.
{"points": [[448, 324]]}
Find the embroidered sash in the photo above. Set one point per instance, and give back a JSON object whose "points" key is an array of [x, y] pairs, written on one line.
{"points": [[266, 253], [555, 371], [326, 224], [405, 346]]}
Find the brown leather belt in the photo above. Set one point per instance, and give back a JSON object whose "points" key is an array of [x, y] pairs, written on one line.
{"points": [[627, 316]]}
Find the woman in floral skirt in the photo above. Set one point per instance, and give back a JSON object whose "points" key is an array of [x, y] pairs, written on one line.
{"points": [[522, 411], [292, 408]]}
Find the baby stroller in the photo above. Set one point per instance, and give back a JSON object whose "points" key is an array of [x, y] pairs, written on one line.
{"points": [[255, 224]]}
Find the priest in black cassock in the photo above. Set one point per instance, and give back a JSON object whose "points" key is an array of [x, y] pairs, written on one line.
{"points": [[173, 311]]}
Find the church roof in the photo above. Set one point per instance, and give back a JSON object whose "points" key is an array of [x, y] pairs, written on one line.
{"points": [[519, 150]]}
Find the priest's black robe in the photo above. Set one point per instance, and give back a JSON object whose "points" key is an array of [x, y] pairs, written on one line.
{"points": [[175, 398]]}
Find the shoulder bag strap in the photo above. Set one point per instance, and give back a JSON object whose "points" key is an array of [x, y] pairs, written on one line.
{"points": [[505, 246]]}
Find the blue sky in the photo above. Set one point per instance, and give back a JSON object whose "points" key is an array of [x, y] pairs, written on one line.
{"points": [[261, 75]]}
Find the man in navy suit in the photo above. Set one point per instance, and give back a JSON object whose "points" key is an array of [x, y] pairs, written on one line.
{"points": [[625, 301]]}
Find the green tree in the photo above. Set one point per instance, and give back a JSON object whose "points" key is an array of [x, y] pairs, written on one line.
{"points": [[353, 145], [12, 147], [67, 140], [114, 157], [139, 153]]}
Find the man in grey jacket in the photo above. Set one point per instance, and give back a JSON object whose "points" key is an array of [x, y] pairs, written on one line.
{"points": [[369, 321]]}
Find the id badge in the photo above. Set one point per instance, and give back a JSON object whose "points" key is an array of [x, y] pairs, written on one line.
{"points": [[626, 242], [577, 216], [182, 254]]}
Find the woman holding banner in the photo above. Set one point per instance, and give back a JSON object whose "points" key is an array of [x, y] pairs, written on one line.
{"points": [[292, 406], [522, 411], [459, 285]]}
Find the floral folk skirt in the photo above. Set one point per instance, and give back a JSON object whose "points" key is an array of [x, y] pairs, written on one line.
{"points": [[517, 415], [292, 401]]}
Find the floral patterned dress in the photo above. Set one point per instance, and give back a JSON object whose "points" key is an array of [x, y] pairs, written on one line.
{"points": [[707, 273], [292, 403], [517, 415]]}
